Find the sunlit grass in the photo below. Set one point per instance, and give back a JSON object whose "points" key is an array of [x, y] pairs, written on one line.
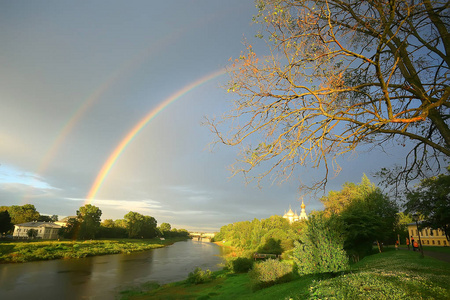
{"points": [[24, 251], [389, 275]]}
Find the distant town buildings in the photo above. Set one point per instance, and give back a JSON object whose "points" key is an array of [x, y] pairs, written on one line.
{"points": [[293, 217]]}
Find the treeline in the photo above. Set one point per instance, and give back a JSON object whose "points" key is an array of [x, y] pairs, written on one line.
{"points": [[135, 225], [87, 224], [273, 235]]}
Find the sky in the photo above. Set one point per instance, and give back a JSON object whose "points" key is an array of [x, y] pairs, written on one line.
{"points": [[102, 103]]}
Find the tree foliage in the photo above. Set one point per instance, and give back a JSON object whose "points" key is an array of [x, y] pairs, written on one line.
{"points": [[401, 228], [44, 218], [89, 221], [110, 229], [71, 230], [164, 229], [320, 248], [23, 214], [140, 226], [431, 199], [5, 222], [271, 234], [367, 214], [343, 74]]}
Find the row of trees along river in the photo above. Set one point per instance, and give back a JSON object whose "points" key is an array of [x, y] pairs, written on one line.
{"points": [[87, 223]]}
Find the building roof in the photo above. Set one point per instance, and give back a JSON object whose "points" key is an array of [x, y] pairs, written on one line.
{"points": [[39, 224], [66, 219]]}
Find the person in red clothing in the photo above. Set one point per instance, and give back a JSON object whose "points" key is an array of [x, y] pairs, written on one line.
{"points": [[412, 243], [407, 243]]}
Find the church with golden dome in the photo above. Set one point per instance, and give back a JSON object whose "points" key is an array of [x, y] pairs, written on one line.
{"points": [[293, 217]]}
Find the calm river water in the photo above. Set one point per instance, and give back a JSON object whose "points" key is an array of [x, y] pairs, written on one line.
{"points": [[102, 277]]}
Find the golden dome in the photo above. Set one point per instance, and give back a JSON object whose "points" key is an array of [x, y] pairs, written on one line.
{"points": [[290, 213]]}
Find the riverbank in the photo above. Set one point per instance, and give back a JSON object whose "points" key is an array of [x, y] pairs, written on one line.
{"points": [[230, 250], [26, 251], [388, 275]]}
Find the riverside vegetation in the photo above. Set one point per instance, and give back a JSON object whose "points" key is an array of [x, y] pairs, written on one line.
{"points": [[87, 234], [11, 252], [388, 275]]}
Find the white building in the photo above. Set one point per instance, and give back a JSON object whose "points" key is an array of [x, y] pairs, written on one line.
{"points": [[293, 217], [45, 230]]}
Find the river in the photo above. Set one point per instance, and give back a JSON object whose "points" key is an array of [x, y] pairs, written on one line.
{"points": [[103, 277]]}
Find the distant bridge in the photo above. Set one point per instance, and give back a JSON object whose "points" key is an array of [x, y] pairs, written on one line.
{"points": [[202, 236]]}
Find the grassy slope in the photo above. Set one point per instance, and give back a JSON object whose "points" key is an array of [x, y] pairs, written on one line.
{"points": [[389, 275]]}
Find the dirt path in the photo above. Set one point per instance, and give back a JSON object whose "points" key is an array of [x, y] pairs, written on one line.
{"points": [[438, 255]]}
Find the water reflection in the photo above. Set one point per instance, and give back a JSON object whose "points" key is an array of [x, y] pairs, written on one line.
{"points": [[101, 277]]}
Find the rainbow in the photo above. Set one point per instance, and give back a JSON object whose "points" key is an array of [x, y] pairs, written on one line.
{"points": [[138, 127], [127, 68]]}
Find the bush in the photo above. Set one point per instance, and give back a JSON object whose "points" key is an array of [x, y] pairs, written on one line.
{"points": [[199, 276], [320, 249], [270, 272], [241, 265]]}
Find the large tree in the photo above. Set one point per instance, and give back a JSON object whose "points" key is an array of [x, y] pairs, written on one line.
{"points": [[343, 74], [140, 226], [88, 217], [431, 199]]}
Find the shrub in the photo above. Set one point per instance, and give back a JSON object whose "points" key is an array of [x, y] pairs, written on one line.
{"points": [[320, 249], [270, 272], [241, 265], [199, 276]]}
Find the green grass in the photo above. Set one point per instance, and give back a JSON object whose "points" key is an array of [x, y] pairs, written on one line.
{"points": [[24, 251], [389, 275]]}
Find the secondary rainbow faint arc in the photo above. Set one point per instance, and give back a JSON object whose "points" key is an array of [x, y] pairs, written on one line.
{"points": [[137, 128]]}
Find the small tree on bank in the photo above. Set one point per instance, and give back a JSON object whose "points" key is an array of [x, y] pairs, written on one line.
{"points": [[321, 247]]}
